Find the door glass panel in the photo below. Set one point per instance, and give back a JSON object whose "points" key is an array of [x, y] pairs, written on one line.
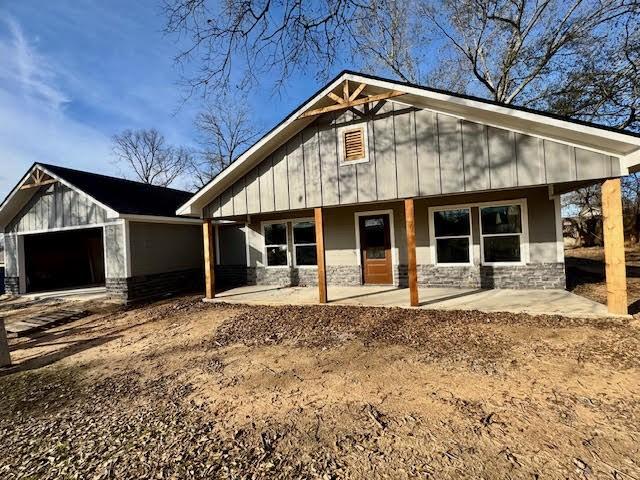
{"points": [[375, 240], [376, 253], [374, 232]]}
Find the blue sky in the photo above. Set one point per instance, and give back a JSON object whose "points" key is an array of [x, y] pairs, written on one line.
{"points": [[75, 72]]}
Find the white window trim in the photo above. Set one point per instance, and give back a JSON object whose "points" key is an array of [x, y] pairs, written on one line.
{"points": [[394, 251], [291, 246], [294, 244], [433, 239], [264, 244], [524, 235], [341, 130]]}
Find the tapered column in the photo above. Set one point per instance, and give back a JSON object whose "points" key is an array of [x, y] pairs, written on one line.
{"points": [[320, 254], [613, 230], [209, 259], [411, 252]]}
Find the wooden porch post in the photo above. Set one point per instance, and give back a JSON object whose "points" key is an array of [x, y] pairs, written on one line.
{"points": [[613, 231], [411, 252], [209, 259], [320, 254]]}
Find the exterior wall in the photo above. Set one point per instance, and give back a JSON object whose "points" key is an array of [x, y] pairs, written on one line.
{"points": [[165, 259], [143, 287], [159, 248], [231, 245], [57, 206], [412, 153], [545, 268]]}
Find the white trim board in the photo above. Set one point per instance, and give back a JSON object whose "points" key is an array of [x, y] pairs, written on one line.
{"points": [[63, 229], [158, 219]]}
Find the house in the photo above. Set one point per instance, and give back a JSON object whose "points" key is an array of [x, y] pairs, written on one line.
{"points": [[373, 181], [69, 229]]}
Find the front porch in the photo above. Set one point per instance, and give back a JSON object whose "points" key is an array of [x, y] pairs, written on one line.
{"points": [[551, 302], [491, 251]]}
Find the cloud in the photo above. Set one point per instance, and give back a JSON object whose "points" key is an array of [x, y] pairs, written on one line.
{"points": [[33, 123], [23, 66]]}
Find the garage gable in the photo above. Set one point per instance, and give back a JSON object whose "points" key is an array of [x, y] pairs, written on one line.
{"points": [[57, 206]]}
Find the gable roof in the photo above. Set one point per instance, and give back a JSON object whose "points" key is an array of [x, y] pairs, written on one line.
{"points": [[123, 196], [587, 135], [116, 195]]}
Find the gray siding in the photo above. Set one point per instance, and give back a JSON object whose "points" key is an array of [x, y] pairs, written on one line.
{"points": [[57, 206], [412, 152], [232, 245], [160, 248]]}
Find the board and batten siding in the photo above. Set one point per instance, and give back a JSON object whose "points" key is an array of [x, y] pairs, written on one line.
{"points": [[57, 206], [412, 153]]}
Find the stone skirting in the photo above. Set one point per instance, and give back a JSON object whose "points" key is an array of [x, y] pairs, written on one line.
{"points": [[149, 286], [285, 276], [12, 285], [543, 275], [537, 276]]}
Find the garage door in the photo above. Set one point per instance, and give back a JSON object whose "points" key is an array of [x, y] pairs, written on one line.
{"points": [[64, 260]]}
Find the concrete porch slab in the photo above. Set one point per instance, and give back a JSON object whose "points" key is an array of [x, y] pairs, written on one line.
{"points": [[550, 302]]}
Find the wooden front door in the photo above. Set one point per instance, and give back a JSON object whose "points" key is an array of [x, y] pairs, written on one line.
{"points": [[375, 250]]}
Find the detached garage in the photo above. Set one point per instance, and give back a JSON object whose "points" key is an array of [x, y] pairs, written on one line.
{"points": [[67, 229]]}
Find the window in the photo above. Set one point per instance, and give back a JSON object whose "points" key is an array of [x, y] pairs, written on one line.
{"points": [[304, 243], [501, 232], [354, 145], [452, 232], [275, 241]]}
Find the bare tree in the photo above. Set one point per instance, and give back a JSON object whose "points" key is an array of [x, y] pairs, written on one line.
{"points": [[579, 58], [585, 206], [148, 155], [225, 129], [508, 50]]}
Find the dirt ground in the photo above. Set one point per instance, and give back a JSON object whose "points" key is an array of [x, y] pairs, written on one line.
{"points": [[184, 389], [585, 274]]}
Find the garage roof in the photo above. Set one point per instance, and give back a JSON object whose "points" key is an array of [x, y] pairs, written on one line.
{"points": [[121, 198]]}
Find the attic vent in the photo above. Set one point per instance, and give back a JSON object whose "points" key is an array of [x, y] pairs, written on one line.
{"points": [[354, 145]]}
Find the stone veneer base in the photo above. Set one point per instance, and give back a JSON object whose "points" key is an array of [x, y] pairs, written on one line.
{"points": [[12, 285], [145, 287], [534, 276]]}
